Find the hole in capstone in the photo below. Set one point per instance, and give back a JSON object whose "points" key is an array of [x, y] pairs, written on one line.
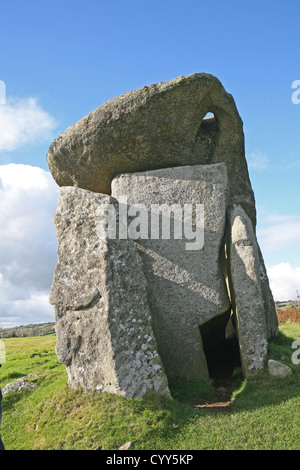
{"points": [[209, 124]]}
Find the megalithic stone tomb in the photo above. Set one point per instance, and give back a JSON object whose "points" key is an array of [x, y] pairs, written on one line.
{"points": [[136, 310]]}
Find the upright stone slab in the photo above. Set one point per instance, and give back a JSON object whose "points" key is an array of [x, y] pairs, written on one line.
{"points": [[247, 290], [186, 287], [103, 322], [269, 304]]}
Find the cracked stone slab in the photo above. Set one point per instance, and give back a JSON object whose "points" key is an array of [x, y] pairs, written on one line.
{"points": [[103, 321]]}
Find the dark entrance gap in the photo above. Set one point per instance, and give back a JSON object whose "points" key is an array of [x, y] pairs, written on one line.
{"points": [[220, 347]]}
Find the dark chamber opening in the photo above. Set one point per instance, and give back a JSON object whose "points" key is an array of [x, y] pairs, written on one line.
{"points": [[209, 125], [220, 345]]}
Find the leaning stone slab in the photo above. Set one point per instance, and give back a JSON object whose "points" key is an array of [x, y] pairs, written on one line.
{"points": [[244, 271], [186, 285], [269, 304], [158, 126], [103, 321]]}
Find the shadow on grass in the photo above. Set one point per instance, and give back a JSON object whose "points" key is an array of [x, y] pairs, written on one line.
{"points": [[264, 390], [184, 391], [165, 418], [9, 400], [280, 349], [281, 339], [176, 417], [150, 422], [13, 375]]}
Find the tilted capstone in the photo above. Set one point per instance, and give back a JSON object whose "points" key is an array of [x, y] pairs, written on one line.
{"points": [[158, 126]]}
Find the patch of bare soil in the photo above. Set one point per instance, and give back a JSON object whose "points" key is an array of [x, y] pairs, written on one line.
{"points": [[222, 398], [225, 381]]}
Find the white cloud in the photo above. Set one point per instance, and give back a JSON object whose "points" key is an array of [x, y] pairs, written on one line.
{"points": [[279, 235], [28, 243], [278, 232], [35, 309], [284, 281], [258, 160], [23, 121]]}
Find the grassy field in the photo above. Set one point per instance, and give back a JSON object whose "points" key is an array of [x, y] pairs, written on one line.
{"points": [[264, 413]]}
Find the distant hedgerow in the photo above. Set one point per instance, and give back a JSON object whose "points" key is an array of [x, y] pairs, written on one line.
{"points": [[290, 315]]}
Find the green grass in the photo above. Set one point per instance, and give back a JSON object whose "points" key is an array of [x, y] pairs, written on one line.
{"points": [[264, 414]]}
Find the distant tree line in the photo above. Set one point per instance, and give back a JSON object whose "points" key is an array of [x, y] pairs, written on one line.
{"points": [[39, 329]]}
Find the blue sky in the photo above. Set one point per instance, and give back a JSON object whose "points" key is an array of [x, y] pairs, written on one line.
{"points": [[60, 60]]}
